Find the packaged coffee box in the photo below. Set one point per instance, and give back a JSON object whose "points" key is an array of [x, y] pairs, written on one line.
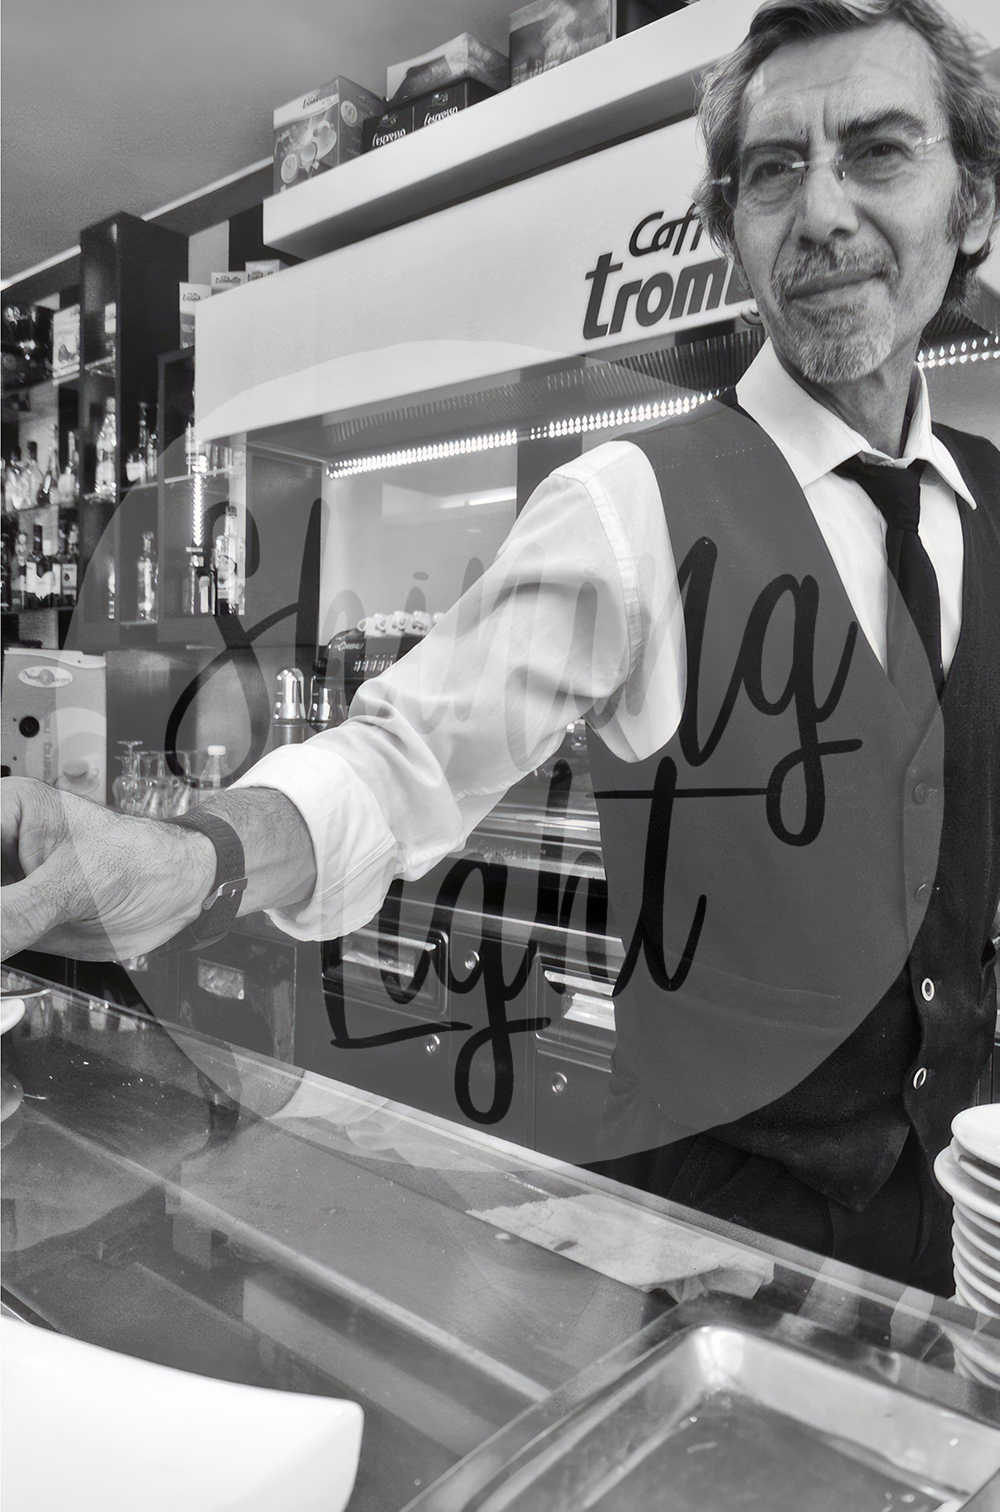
{"points": [[264, 268], [231, 279], [65, 341], [448, 102], [320, 130], [388, 128], [190, 295], [549, 32], [461, 58]]}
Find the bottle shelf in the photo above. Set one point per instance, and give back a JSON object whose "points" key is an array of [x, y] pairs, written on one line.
{"points": [[64, 380]]}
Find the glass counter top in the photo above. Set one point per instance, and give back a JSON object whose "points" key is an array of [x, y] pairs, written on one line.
{"points": [[177, 1199]]}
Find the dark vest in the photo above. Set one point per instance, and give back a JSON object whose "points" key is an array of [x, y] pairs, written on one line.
{"points": [[803, 881]]}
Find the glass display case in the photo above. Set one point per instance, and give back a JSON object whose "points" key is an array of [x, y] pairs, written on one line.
{"points": [[178, 1199]]}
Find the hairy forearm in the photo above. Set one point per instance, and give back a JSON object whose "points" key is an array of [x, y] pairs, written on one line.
{"points": [[280, 865]]}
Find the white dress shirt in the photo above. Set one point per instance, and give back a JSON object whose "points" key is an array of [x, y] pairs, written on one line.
{"points": [[578, 617]]}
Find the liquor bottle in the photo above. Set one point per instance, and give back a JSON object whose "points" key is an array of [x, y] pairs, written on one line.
{"points": [[151, 449], [146, 574], [112, 605], [226, 560], [6, 575], [135, 462], [69, 565], [106, 476], [110, 333], [200, 597], [39, 586], [66, 489], [35, 477], [19, 571], [49, 479], [14, 499]]}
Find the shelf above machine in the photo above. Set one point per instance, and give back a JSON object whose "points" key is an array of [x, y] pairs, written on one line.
{"points": [[643, 80]]}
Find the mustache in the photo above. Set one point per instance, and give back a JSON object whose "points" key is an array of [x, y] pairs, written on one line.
{"points": [[822, 263]]}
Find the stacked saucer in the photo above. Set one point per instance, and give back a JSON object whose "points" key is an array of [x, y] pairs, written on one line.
{"points": [[969, 1170]]}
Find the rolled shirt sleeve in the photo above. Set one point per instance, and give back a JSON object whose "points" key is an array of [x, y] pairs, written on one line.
{"points": [[578, 616]]}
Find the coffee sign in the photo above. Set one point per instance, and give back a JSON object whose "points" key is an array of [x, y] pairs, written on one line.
{"points": [[672, 291]]}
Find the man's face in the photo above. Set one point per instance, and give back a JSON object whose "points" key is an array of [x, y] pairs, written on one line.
{"points": [[846, 276]]}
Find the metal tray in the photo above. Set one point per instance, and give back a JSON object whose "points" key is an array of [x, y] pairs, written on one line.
{"points": [[722, 1414]]}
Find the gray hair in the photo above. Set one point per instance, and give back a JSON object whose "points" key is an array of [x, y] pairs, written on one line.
{"points": [[971, 105]]}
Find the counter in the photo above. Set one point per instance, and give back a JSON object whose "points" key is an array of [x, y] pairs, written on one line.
{"points": [[175, 1198]]}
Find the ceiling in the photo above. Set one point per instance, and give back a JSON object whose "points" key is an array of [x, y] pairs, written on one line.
{"points": [[128, 104]]}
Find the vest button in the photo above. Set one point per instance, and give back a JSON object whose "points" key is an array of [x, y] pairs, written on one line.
{"points": [[927, 990], [920, 1077], [923, 792], [924, 891]]}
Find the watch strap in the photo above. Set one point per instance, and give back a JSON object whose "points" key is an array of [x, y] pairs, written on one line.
{"points": [[219, 909]]}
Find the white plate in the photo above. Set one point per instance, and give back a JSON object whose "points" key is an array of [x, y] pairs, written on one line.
{"points": [[976, 1371], [11, 1012], [976, 1257], [194, 1443], [982, 1350], [978, 1130], [979, 1269], [968, 1297], [987, 1225], [975, 1229], [979, 1286], [976, 1168], [959, 1184]]}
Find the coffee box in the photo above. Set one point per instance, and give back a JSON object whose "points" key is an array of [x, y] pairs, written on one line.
{"points": [[191, 294], [448, 102], [230, 279], [264, 268], [65, 341], [388, 128], [461, 58], [320, 130], [549, 32]]}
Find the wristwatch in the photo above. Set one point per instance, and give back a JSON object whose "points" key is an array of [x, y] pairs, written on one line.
{"points": [[220, 908]]}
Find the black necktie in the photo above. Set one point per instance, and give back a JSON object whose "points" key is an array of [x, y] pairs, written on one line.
{"points": [[913, 602]]}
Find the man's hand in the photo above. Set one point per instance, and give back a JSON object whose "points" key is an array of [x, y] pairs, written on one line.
{"points": [[85, 881]]}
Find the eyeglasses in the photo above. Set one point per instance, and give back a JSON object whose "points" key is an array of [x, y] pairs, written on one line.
{"points": [[771, 177]]}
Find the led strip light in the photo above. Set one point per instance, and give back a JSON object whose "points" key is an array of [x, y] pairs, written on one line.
{"points": [[462, 446], [636, 414], [972, 349]]}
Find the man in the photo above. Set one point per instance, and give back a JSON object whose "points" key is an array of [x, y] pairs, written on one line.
{"points": [[798, 814]]}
